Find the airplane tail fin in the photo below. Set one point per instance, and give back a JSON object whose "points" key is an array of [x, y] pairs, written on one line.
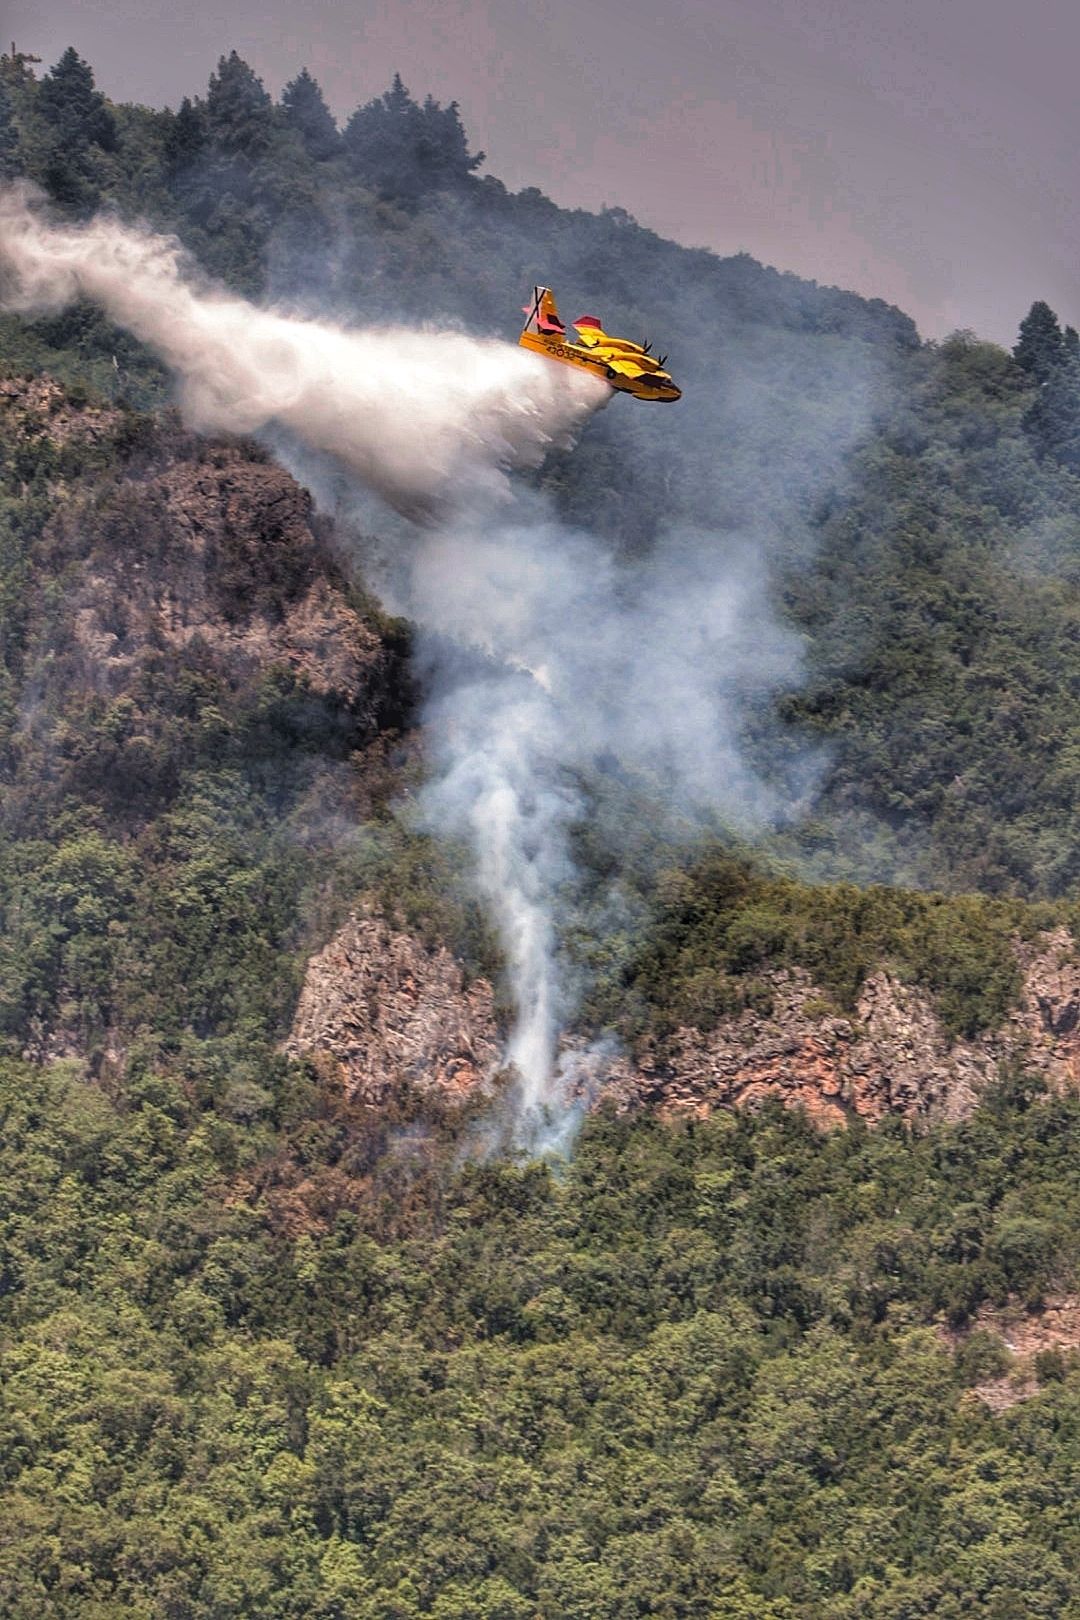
{"points": [[543, 314]]}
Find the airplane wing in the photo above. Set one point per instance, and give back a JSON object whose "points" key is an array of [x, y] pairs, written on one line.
{"points": [[626, 366], [589, 330]]}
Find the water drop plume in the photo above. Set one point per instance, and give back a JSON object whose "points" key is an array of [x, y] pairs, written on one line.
{"points": [[424, 418]]}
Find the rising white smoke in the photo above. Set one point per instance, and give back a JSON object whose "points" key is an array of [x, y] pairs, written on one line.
{"points": [[652, 663], [421, 417], [541, 650]]}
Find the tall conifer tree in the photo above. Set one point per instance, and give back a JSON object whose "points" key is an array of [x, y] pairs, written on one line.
{"points": [[9, 136], [404, 149], [239, 112], [73, 109], [306, 112], [1040, 345], [80, 126]]}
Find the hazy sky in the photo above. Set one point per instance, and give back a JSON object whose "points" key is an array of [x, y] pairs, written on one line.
{"points": [[919, 150]]}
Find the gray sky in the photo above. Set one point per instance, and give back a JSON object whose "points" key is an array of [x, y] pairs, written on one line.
{"points": [[919, 150]]}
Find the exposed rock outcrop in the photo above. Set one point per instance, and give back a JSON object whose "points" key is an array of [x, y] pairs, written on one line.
{"points": [[39, 407], [181, 631], [892, 1057], [201, 548], [208, 556], [386, 1011], [225, 557], [1024, 1335]]}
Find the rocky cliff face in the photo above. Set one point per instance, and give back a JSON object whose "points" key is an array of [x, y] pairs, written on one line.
{"points": [[384, 1011], [202, 550], [1025, 1334], [228, 563], [381, 1009], [191, 691], [39, 408], [892, 1057]]}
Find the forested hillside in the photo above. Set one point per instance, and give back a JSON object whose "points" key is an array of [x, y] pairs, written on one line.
{"points": [[932, 572], [269, 1352], [694, 1378]]}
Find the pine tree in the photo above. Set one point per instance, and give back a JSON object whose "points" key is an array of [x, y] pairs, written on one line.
{"points": [[402, 149], [9, 136], [79, 128], [1041, 345], [75, 112], [1051, 358], [1054, 418], [239, 113], [455, 159], [185, 139], [381, 139], [306, 112], [397, 99]]}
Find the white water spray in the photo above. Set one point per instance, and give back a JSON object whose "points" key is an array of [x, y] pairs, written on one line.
{"points": [[421, 417], [431, 421]]}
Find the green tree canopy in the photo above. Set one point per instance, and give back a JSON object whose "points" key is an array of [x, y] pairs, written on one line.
{"points": [[1051, 357], [79, 127], [1054, 418], [306, 112], [239, 112], [9, 135], [185, 139], [1041, 344], [74, 110], [402, 149]]}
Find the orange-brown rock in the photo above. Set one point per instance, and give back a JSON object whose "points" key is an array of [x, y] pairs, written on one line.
{"points": [[891, 1057], [222, 554], [1024, 1334], [388, 1011], [39, 407]]}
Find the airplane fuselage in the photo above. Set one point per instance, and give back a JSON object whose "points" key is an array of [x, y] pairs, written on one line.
{"points": [[622, 365]]}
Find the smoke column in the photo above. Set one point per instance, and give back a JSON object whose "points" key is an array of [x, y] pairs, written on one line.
{"points": [[653, 663], [420, 417], [539, 650]]}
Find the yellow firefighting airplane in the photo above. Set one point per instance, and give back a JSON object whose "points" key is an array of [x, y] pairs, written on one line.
{"points": [[629, 367]]}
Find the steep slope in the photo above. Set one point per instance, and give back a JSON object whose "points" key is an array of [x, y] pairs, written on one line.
{"points": [[269, 1351], [917, 505], [705, 1369], [200, 727], [381, 1015], [891, 1057], [386, 1015], [187, 673]]}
